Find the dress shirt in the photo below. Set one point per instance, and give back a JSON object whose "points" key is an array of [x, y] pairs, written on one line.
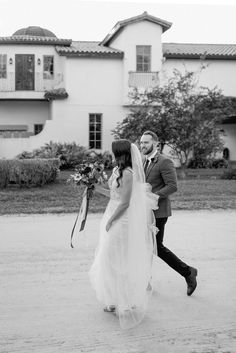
{"points": [[151, 156]]}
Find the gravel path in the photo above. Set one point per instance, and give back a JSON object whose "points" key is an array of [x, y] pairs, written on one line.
{"points": [[48, 306]]}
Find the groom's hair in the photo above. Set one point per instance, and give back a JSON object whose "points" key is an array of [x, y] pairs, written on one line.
{"points": [[151, 133]]}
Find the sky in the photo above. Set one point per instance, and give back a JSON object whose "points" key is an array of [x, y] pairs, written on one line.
{"points": [[202, 21]]}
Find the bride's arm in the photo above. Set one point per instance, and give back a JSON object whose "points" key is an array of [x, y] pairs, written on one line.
{"points": [[125, 198], [102, 190]]}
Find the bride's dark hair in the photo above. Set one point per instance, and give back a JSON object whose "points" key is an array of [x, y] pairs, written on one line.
{"points": [[122, 152]]}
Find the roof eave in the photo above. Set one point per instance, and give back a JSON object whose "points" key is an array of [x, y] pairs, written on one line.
{"points": [[144, 17], [91, 55], [35, 40], [199, 57]]}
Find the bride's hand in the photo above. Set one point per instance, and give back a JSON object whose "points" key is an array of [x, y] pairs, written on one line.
{"points": [[108, 226]]}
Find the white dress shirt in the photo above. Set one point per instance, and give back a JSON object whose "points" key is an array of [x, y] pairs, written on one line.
{"points": [[149, 158]]}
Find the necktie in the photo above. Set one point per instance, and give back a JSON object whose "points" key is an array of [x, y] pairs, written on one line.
{"points": [[146, 164]]}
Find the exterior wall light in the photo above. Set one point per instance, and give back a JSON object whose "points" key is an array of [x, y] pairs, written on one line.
{"points": [[39, 61], [10, 61]]}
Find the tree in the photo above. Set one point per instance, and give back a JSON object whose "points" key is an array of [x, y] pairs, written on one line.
{"points": [[185, 116]]}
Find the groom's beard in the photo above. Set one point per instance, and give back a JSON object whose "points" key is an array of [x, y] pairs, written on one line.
{"points": [[149, 151]]}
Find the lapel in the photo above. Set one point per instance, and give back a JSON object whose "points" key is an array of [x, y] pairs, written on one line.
{"points": [[154, 161]]}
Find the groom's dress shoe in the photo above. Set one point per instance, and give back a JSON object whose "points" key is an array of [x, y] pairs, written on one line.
{"points": [[191, 281]]}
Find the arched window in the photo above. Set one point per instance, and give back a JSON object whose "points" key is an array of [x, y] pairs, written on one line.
{"points": [[226, 153]]}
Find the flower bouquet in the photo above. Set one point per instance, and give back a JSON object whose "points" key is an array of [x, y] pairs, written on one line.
{"points": [[87, 174]]}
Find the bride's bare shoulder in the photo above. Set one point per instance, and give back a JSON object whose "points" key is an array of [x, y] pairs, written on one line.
{"points": [[128, 170], [128, 173]]}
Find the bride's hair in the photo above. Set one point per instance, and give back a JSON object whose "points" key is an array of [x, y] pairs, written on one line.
{"points": [[122, 153]]}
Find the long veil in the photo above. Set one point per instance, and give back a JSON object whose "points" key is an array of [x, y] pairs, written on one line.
{"points": [[140, 246]]}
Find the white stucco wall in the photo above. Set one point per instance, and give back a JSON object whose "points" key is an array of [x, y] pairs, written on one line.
{"points": [[38, 51], [24, 113], [141, 33], [100, 85], [218, 73], [94, 86]]}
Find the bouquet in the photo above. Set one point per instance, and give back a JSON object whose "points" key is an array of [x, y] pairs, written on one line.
{"points": [[87, 174]]}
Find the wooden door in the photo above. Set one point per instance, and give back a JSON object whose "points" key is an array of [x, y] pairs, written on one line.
{"points": [[24, 72]]}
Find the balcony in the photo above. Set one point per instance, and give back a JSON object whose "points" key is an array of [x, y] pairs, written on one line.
{"points": [[143, 79], [13, 131], [38, 85]]}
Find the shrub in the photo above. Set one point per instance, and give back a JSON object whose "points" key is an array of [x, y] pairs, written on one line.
{"points": [[229, 174], [219, 163], [105, 158], [33, 172], [197, 163], [56, 93], [4, 172], [70, 154]]}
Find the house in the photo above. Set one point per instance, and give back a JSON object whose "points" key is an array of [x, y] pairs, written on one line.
{"points": [[90, 82]]}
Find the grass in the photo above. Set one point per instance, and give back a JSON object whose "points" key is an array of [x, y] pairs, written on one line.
{"points": [[61, 197]]}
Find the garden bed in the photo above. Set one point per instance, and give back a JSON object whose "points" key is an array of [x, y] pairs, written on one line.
{"points": [[61, 197]]}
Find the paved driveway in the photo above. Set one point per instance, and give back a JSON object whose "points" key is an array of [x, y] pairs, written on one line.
{"points": [[48, 306]]}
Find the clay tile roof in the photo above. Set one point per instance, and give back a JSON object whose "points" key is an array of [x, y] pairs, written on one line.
{"points": [[27, 39], [88, 49], [199, 51], [143, 17]]}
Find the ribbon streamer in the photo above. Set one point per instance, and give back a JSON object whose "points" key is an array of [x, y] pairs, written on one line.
{"points": [[82, 215]]}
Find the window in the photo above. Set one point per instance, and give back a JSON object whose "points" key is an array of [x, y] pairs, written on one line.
{"points": [[95, 131], [48, 67], [143, 58], [38, 128], [3, 65]]}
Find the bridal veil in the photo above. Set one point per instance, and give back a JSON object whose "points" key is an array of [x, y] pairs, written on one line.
{"points": [[121, 271], [140, 246]]}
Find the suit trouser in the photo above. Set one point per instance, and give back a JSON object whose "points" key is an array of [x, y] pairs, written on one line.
{"points": [[165, 254]]}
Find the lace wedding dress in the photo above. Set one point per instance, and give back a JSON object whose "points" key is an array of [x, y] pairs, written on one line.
{"points": [[121, 270]]}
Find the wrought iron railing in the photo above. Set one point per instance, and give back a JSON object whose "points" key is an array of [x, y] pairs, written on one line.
{"points": [[143, 79], [41, 83]]}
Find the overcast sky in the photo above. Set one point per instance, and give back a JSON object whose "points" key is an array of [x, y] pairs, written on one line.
{"points": [[199, 21]]}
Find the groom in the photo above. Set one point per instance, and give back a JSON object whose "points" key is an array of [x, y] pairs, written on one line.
{"points": [[160, 173]]}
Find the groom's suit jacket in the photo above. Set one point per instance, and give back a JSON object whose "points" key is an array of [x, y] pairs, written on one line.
{"points": [[161, 174]]}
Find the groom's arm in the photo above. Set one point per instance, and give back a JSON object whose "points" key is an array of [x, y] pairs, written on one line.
{"points": [[169, 177]]}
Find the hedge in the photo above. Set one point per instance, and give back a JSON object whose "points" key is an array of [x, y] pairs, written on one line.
{"points": [[229, 174], [70, 154], [28, 172]]}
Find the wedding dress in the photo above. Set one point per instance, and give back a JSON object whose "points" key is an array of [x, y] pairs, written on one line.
{"points": [[121, 271]]}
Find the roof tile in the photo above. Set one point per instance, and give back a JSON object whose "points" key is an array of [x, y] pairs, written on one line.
{"points": [[26, 39], [203, 51], [83, 49]]}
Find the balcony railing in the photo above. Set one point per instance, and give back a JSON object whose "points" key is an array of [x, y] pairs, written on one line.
{"points": [[40, 83], [143, 79]]}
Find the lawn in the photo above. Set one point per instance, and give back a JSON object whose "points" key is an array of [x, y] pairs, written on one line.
{"points": [[61, 197]]}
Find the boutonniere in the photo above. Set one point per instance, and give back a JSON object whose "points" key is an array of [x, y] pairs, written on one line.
{"points": [[155, 158]]}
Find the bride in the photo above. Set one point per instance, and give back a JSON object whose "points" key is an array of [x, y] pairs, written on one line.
{"points": [[121, 271]]}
